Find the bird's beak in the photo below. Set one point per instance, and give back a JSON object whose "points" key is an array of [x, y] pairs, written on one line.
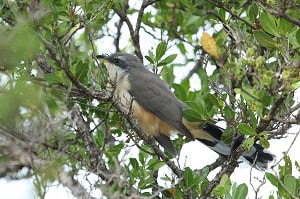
{"points": [[103, 58]]}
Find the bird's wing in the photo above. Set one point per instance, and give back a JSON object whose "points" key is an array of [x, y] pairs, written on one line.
{"points": [[154, 95], [165, 141]]}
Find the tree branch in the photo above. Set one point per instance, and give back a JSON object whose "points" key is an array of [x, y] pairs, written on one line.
{"points": [[220, 5], [279, 12], [135, 33], [22, 154], [124, 17], [119, 27], [264, 123], [226, 169], [76, 188], [197, 66]]}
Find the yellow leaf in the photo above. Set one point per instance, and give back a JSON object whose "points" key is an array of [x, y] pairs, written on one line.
{"points": [[209, 45], [254, 107], [266, 118], [172, 192]]}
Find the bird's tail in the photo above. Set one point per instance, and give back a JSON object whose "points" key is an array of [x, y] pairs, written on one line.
{"points": [[211, 135]]}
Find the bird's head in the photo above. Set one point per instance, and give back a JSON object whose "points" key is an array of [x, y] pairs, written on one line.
{"points": [[119, 64]]}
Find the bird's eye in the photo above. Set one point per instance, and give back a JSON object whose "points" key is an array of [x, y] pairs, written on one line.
{"points": [[116, 60]]}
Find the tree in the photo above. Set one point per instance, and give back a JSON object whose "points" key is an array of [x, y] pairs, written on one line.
{"points": [[57, 118]]}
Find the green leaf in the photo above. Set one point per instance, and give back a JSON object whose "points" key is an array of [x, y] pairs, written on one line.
{"points": [[198, 106], [252, 118], [223, 188], [227, 135], [297, 166], [266, 99], [182, 48], [245, 129], [229, 112], [157, 166], [268, 23], [298, 36], [204, 81], [192, 19], [222, 14], [178, 194], [196, 180], [82, 71], [167, 74], [224, 179], [285, 26], [264, 39], [227, 185], [286, 169], [134, 163], [142, 158], [115, 150], [264, 142], [151, 55], [99, 137], [52, 79], [149, 59], [167, 60], [253, 12], [161, 50], [291, 183], [185, 84], [272, 179], [248, 144], [188, 177], [218, 191], [191, 115], [180, 92], [241, 192], [212, 99], [152, 162]]}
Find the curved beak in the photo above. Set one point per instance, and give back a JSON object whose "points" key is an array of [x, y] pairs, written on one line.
{"points": [[103, 58]]}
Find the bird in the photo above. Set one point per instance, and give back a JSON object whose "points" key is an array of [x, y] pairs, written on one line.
{"points": [[159, 112]]}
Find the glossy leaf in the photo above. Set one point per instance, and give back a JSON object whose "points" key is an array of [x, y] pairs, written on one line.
{"points": [[264, 39], [227, 135], [241, 192], [191, 115], [245, 129], [248, 144], [53, 79], [188, 177], [167, 60], [214, 100], [229, 112], [272, 179], [134, 163], [268, 23], [291, 184], [161, 50], [298, 36]]}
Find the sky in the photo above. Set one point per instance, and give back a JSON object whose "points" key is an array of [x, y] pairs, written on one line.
{"points": [[193, 154]]}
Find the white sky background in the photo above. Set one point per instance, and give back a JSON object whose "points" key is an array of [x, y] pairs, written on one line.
{"points": [[194, 154]]}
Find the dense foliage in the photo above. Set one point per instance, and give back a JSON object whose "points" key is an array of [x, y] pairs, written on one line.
{"points": [[58, 120]]}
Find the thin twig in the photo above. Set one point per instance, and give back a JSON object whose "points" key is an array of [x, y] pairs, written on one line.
{"points": [[279, 12], [220, 5], [287, 151], [119, 27]]}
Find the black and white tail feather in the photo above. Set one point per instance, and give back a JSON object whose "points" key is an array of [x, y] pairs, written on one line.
{"points": [[257, 156]]}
